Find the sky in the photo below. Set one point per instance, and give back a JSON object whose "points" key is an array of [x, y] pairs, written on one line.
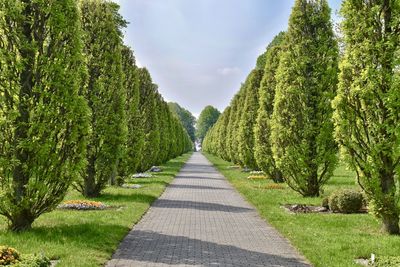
{"points": [[200, 51]]}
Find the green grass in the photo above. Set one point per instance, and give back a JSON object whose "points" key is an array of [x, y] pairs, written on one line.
{"points": [[89, 238], [325, 239]]}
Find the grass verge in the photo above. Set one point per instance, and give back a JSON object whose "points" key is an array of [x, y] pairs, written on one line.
{"points": [[325, 239], [88, 238]]}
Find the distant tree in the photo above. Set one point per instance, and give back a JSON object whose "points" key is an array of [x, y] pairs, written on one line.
{"points": [[302, 128], [262, 128], [43, 119], [208, 116], [105, 92], [248, 119], [187, 119], [367, 106]]}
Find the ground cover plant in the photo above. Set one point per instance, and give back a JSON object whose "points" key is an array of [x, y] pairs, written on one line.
{"points": [[88, 238], [326, 239]]}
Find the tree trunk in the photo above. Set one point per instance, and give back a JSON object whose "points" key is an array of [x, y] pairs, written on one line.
{"points": [[278, 176], [21, 221], [90, 188], [313, 185], [391, 225]]}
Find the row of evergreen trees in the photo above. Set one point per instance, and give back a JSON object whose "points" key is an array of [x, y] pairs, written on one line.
{"points": [[306, 98], [74, 107]]}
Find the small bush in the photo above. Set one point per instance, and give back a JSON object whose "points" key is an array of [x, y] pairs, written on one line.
{"points": [[8, 256], [346, 201], [33, 260]]}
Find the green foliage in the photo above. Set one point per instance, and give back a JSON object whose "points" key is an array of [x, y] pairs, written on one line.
{"points": [[148, 111], [105, 93], [387, 261], [43, 119], [367, 106], [187, 119], [132, 149], [346, 201], [301, 126], [208, 117], [33, 260], [262, 127], [248, 119]]}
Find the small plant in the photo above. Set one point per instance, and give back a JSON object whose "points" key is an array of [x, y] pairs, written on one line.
{"points": [[346, 201], [82, 205], [8, 256]]}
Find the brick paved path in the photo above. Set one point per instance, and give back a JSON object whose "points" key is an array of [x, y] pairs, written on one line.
{"points": [[200, 220]]}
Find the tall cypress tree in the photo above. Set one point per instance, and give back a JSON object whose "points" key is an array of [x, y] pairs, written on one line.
{"points": [[148, 110], [105, 92], [302, 128], [262, 128], [248, 119], [132, 149], [367, 106], [43, 119]]}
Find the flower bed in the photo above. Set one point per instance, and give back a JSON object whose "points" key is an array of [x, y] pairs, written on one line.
{"points": [[142, 175], [131, 186], [274, 186], [82, 205], [257, 177]]}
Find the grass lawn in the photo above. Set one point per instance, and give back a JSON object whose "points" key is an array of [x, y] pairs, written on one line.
{"points": [[325, 239], [89, 238]]}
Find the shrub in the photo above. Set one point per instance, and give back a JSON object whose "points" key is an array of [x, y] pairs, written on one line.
{"points": [[346, 201], [33, 260], [8, 256]]}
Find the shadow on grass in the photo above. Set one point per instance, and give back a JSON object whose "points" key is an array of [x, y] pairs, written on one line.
{"points": [[136, 197], [89, 235]]}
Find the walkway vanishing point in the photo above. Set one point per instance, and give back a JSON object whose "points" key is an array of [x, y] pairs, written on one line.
{"points": [[200, 220]]}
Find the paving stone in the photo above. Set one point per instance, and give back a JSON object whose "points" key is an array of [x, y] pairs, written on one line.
{"points": [[200, 220]]}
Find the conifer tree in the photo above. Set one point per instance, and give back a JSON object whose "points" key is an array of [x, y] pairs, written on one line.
{"points": [[132, 149], [248, 118], [148, 110], [262, 128], [105, 92], [302, 139], [367, 106], [43, 119]]}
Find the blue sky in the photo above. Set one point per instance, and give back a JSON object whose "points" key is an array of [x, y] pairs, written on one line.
{"points": [[200, 51]]}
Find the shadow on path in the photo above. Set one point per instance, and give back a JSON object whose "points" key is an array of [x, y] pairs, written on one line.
{"points": [[153, 247], [185, 204]]}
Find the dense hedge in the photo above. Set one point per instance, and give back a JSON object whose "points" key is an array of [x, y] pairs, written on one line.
{"points": [[307, 108], [74, 106]]}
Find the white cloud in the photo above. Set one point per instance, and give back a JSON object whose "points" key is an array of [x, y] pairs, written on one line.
{"points": [[228, 71]]}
